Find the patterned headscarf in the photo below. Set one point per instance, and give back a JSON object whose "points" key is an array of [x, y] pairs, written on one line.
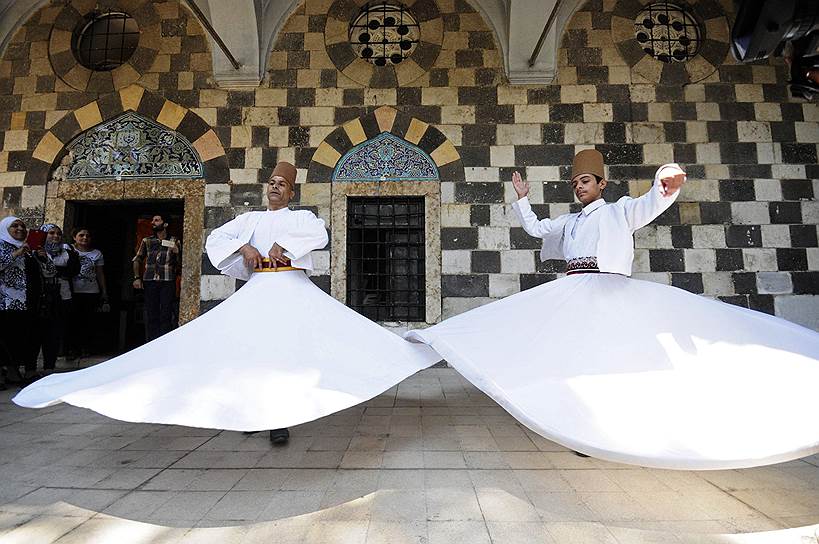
{"points": [[5, 223], [52, 248]]}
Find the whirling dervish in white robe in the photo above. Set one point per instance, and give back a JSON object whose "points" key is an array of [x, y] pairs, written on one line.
{"points": [[278, 352], [634, 371]]}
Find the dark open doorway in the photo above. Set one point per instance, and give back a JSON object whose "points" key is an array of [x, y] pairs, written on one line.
{"points": [[114, 227]]}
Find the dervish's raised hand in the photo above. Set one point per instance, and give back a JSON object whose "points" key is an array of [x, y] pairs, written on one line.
{"points": [[252, 257], [672, 180], [277, 257], [521, 187]]}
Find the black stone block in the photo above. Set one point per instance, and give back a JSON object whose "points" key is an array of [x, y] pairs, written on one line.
{"points": [[472, 285], [797, 189], [803, 235], [805, 283], [620, 153], [666, 260], [479, 192], [557, 191], [738, 153], [479, 135], [459, 238], [737, 190], [743, 236], [690, 281], [479, 215], [528, 281], [744, 283], [729, 260], [715, 213], [785, 212], [799, 153], [681, 236], [486, 262], [791, 259], [520, 239]]}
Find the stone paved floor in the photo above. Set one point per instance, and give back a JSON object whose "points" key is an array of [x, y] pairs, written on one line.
{"points": [[432, 460]]}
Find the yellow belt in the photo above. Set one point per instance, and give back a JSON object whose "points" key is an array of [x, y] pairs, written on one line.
{"points": [[267, 267]]}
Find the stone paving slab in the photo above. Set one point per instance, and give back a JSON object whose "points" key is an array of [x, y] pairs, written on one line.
{"points": [[432, 460]]}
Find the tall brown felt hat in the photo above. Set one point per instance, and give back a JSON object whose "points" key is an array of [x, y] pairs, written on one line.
{"points": [[588, 161], [285, 170]]}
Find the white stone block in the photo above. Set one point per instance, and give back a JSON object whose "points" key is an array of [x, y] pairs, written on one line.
{"points": [[768, 153], [217, 194], [708, 236], [769, 190], [217, 287], [813, 258], [759, 259], [503, 285], [646, 237], [717, 283], [543, 173], [321, 263], [452, 306], [664, 237], [700, 260], [525, 133], [502, 155], [708, 153], [767, 112], [750, 213], [455, 215], [774, 283], [535, 192], [473, 173], [493, 238], [243, 175], [641, 261], [517, 261], [708, 111], [456, 261], [657, 277], [502, 215], [776, 236], [807, 132], [32, 196], [556, 210], [753, 131], [801, 309], [810, 212], [700, 190], [447, 192], [788, 171]]}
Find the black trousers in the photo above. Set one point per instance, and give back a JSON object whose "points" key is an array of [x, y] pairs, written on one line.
{"points": [[82, 327], [159, 300], [19, 338], [52, 332]]}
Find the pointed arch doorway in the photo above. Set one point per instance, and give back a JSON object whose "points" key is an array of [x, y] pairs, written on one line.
{"points": [[386, 171]]}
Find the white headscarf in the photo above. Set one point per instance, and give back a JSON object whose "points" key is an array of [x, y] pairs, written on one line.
{"points": [[4, 231]]}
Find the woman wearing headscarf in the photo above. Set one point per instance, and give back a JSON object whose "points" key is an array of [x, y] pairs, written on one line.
{"points": [[57, 294], [21, 281]]}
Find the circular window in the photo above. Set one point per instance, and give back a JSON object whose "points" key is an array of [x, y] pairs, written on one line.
{"points": [[104, 41], [668, 32], [384, 32]]}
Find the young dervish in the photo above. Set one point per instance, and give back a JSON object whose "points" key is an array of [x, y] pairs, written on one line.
{"points": [[276, 353], [635, 371]]}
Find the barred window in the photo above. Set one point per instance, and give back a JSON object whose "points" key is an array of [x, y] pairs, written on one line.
{"points": [[386, 258]]}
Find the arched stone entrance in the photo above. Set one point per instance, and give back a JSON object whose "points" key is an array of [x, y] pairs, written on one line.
{"points": [[206, 157], [429, 165]]}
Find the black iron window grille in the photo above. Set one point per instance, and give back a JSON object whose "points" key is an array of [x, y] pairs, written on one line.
{"points": [[668, 32], [384, 32], [386, 258], [106, 40]]}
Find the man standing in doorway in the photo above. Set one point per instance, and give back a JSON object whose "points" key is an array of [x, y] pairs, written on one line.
{"points": [[161, 255]]}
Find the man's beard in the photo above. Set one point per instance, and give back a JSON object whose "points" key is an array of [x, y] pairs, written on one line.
{"points": [[158, 228]]}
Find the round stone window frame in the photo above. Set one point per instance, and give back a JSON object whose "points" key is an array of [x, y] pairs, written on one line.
{"points": [[341, 15], [68, 68], [714, 43]]}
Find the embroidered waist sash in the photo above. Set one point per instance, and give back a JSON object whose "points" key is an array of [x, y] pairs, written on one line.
{"points": [[582, 265]]}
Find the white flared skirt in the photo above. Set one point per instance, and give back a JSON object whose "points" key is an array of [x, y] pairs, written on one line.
{"points": [[636, 372], [277, 353]]}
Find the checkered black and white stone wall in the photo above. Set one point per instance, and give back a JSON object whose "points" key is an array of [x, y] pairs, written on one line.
{"points": [[743, 230]]}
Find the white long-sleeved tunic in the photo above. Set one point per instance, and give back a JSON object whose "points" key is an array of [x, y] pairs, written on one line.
{"points": [[298, 232], [600, 235]]}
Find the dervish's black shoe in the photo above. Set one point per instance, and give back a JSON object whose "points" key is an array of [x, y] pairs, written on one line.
{"points": [[580, 454], [279, 436]]}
